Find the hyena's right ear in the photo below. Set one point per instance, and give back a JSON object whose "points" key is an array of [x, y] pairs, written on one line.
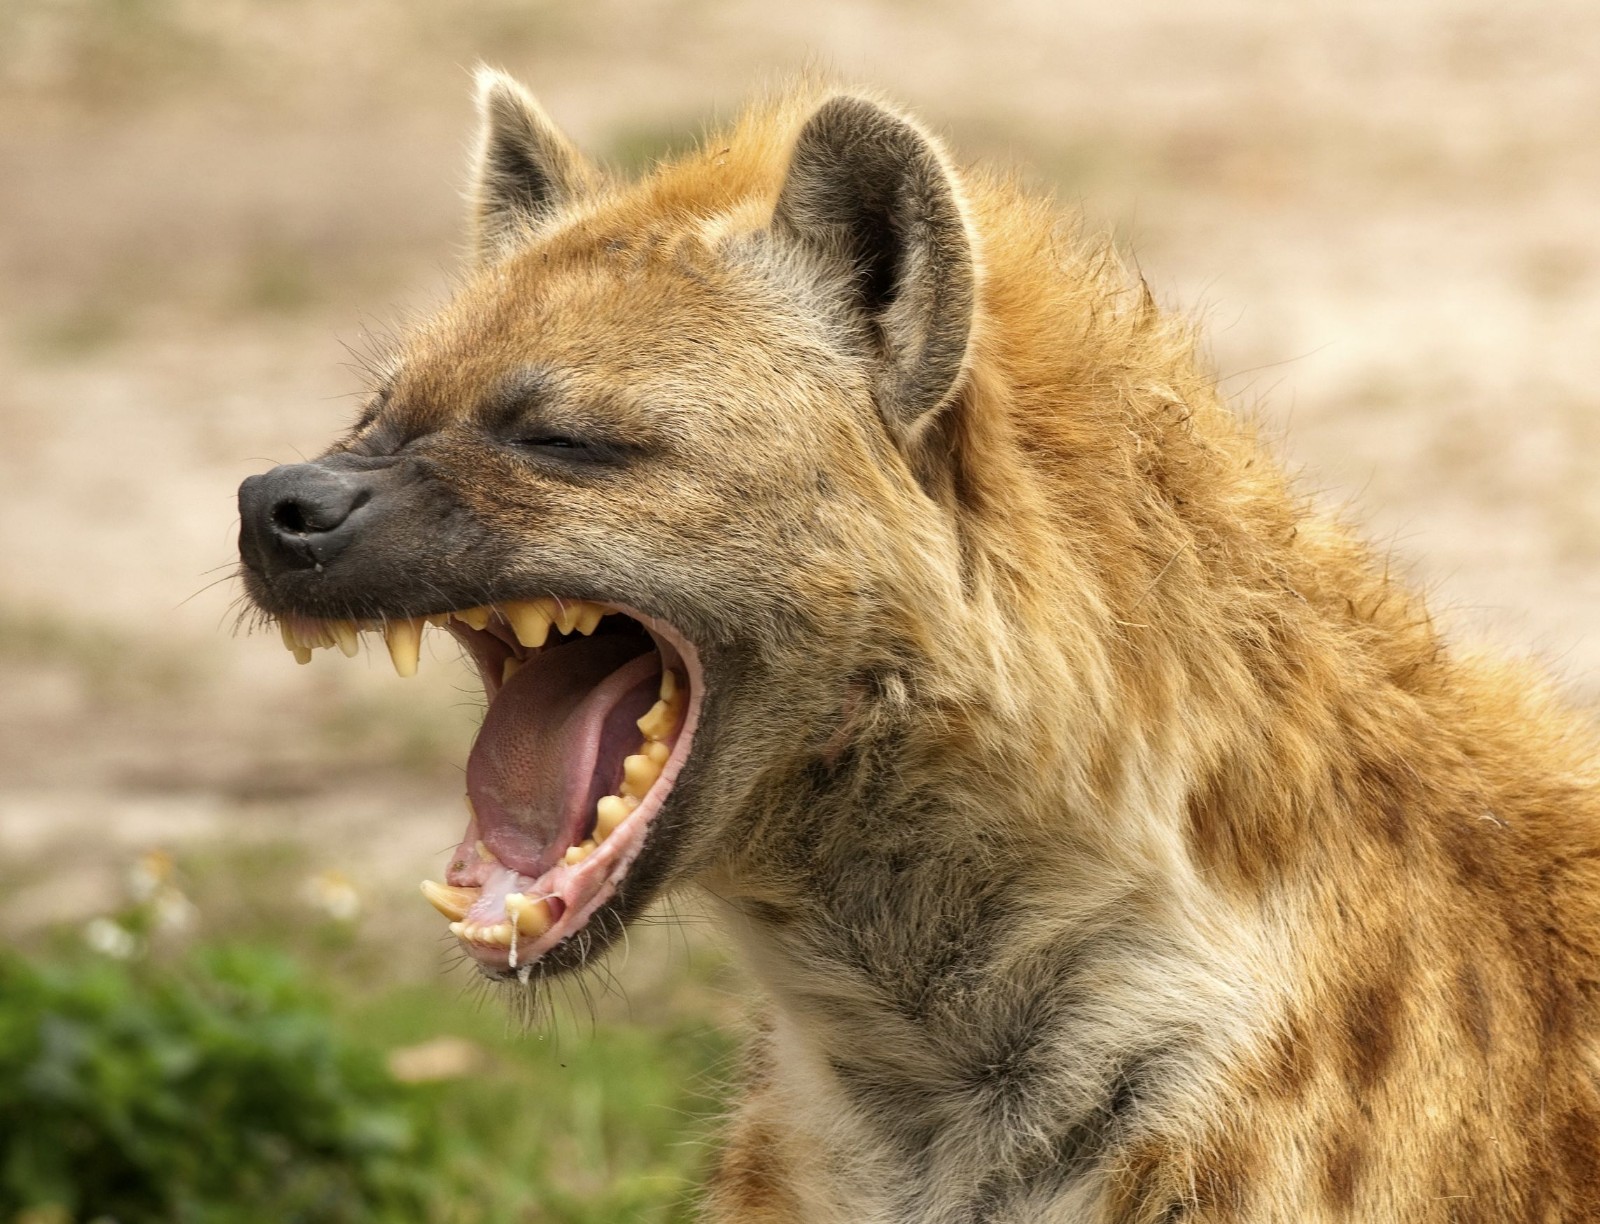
{"points": [[526, 171]]}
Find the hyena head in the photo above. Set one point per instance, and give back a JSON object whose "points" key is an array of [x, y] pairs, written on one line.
{"points": [[660, 466]]}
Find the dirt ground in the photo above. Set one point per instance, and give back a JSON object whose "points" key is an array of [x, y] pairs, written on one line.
{"points": [[1384, 212]]}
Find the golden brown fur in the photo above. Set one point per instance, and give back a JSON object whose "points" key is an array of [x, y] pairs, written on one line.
{"points": [[1116, 841]]}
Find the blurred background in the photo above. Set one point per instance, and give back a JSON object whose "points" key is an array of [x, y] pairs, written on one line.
{"points": [[219, 990]]}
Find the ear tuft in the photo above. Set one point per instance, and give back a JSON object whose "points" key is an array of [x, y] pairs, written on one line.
{"points": [[869, 199], [525, 172]]}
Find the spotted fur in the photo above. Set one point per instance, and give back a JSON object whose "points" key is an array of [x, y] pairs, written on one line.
{"points": [[1114, 839]]}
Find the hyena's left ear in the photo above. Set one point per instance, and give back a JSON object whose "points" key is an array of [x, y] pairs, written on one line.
{"points": [[526, 171], [869, 198]]}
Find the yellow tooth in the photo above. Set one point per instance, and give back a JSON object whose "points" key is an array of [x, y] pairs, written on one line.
{"points": [[532, 917], [529, 620], [576, 854], [657, 751], [405, 644], [477, 618], [484, 852], [290, 642], [458, 929], [509, 668], [496, 936], [608, 814], [451, 902], [567, 614], [669, 686], [438, 620], [638, 775], [589, 618], [658, 721], [344, 633]]}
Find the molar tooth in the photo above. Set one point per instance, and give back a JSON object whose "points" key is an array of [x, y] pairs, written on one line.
{"points": [[509, 668], [477, 618], [529, 620], [658, 721], [656, 751], [345, 635], [531, 916], [669, 685], [589, 615], [638, 775], [451, 902], [404, 638], [608, 814]]}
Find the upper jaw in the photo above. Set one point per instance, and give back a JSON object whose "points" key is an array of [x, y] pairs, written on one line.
{"points": [[513, 907]]}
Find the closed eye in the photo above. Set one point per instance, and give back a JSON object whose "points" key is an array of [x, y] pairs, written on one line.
{"points": [[553, 442]]}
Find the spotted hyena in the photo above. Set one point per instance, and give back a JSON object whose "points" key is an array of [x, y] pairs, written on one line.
{"points": [[837, 531]]}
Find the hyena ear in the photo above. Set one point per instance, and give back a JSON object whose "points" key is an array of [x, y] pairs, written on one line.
{"points": [[525, 172], [868, 196]]}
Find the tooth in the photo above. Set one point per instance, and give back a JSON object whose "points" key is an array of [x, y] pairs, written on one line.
{"points": [[657, 751], [576, 854], [658, 721], [509, 668], [344, 633], [638, 775], [302, 654], [496, 936], [567, 615], [589, 615], [529, 619], [484, 853], [458, 929], [608, 814], [669, 685], [451, 902], [438, 620], [532, 917], [405, 644], [477, 618]]}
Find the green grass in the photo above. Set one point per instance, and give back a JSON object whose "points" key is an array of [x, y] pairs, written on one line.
{"points": [[253, 1075]]}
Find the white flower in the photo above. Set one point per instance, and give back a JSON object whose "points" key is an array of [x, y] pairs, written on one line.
{"points": [[110, 939]]}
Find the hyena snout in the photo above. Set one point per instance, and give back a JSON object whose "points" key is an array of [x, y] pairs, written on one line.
{"points": [[302, 515]]}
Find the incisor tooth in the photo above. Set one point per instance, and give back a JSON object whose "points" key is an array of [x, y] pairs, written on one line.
{"points": [[529, 620], [344, 633], [532, 917], [477, 618], [576, 854], [451, 902], [589, 618], [438, 620], [509, 668], [608, 814], [658, 721], [639, 774], [404, 638]]}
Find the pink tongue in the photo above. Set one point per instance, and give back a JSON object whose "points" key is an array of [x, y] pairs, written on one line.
{"points": [[532, 774]]}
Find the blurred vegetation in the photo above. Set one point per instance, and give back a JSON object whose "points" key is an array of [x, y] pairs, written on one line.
{"points": [[148, 1077]]}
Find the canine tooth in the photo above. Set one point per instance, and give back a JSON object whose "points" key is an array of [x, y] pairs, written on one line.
{"points": [[657, 751], [477, 618], [344, 633], [451, 902], [404, 638], [639, 774], [532, 917], [509, 668], [529, 620], [658, 721], [589, 618], [608, 814]]}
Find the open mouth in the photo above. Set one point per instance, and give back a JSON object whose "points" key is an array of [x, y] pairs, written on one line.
{"points": [[592, 709]]}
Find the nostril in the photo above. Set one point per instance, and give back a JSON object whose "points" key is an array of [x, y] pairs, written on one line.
{"points": [[290, 516]]}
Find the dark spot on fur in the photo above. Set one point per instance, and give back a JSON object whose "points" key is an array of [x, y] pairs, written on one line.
{"points": [[1473, 1002], [1369, 1020], [1231, 842], [1342, 1170]]}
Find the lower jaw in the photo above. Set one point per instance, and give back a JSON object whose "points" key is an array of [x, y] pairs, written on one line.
{"points": [[507, 919]]}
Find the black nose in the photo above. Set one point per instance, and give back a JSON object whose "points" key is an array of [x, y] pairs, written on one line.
{"points": [[300, 515]]}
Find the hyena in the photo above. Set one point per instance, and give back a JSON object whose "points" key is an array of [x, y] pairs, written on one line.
{"points": [[1112, 837]]}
